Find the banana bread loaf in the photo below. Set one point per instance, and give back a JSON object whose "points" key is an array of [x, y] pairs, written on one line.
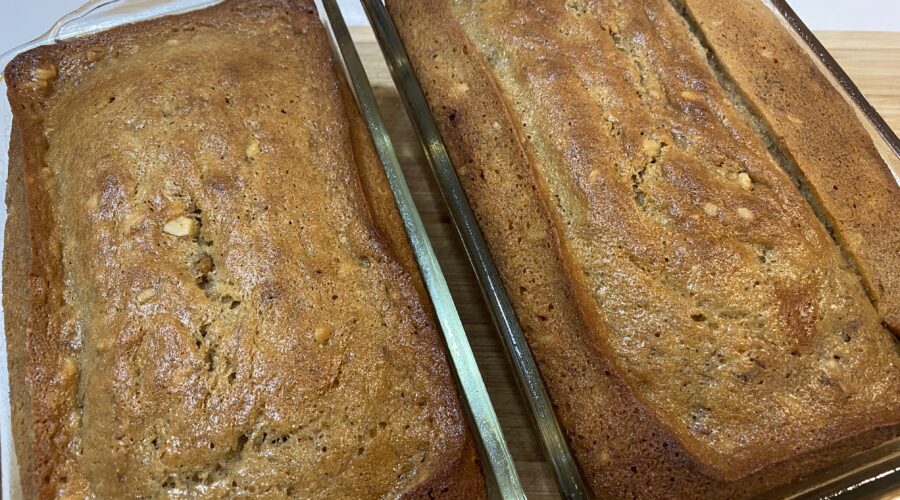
{"points": [[208, 291], [700, 332]]}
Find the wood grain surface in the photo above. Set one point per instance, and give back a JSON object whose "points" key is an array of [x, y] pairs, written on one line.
{"points": [[871, 59]]}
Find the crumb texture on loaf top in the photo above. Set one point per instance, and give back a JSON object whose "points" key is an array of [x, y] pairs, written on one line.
{"points": [[839, 167], [228, 320], [704, 274]]}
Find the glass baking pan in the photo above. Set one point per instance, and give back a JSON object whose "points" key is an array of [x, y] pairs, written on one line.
{"points": [[871, 474], [98, 15]]}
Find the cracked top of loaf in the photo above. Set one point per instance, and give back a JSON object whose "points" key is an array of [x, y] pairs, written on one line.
{"points": [[209, 289]]}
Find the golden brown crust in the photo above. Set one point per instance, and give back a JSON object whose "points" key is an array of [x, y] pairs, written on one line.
{"points": [[44, 411], [818, 130], [16, 301], [461, 476], [378, 192], [621, 445], [218, 304]]}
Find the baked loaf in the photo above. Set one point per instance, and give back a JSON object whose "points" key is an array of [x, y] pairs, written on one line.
{"points": [[208, 291], [700, 332]]}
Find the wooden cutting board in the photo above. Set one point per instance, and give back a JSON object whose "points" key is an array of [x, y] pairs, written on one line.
{"points": [[871, 59]]}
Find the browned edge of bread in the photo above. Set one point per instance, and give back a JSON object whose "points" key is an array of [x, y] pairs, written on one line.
{"points": [[37, 395], [463, 477], [17, 291]]}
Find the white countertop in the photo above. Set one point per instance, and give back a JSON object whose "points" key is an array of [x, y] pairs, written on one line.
{"points": [[23, 20]]}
